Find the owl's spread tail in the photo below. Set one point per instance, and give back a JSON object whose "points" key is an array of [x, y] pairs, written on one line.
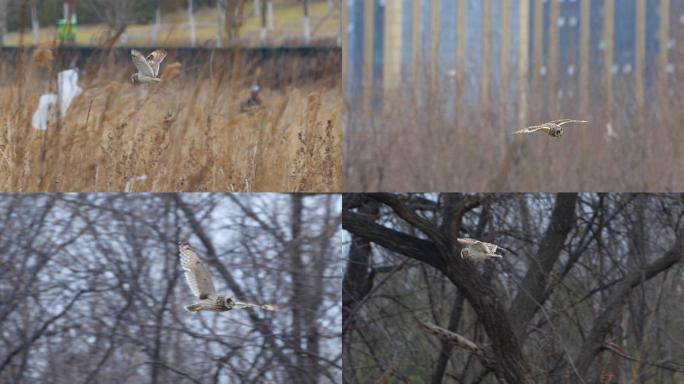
{"points": [[268, 307], [193, 308]]}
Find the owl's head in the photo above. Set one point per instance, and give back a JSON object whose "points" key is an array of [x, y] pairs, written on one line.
{"points": [[229, 302], [557, 131]]}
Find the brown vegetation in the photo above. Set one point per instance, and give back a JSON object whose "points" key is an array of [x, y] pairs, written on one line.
{"points": [[429, 141]]}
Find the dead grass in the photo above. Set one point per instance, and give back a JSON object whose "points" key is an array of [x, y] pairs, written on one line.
{"points": [[184, 134], [425, 146]]}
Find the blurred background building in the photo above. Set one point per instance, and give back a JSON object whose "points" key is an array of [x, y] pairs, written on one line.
{"points": [[474, 51]]}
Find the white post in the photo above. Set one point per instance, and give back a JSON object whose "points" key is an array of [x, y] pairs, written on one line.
{"points": [[263, 31], [35, 24], [191, 20], [157, 25], [220, 19], [257, 8], [307, 26], [269, 14]]}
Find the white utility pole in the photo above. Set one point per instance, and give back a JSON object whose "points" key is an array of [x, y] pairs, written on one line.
{"points": [[307, 25], [191, 20]]}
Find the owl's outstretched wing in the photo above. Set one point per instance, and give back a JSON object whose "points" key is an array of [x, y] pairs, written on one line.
{"points": [[568, 121], [141, 63], [532, 129], [466, 242], [154, 59], [196, 273]]}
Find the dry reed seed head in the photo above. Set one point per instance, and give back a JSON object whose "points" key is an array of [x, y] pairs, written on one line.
{"points": [[172, 70], [42, 56], [113, 87]]}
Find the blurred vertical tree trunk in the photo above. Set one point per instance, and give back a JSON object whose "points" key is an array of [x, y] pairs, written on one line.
{"points": [[3, 21], [307, 23], [35, 24], [157, 23], [256, 11], [220, 22], [234, 10], [296, 270], [263, 32], [191, 21], [269, 14]]}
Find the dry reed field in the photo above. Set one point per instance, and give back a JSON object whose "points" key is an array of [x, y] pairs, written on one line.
{"points": [[183, 134], [430, 144]]}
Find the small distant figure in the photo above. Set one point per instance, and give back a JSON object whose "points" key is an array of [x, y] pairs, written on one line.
{"points": [[552, 128], [148, 67], [253, 102], [610, 132]]}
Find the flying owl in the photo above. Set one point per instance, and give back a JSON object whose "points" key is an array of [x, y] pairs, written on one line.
{"points": [[476, 250], [552, 128], [199, 279], [148, 67]]}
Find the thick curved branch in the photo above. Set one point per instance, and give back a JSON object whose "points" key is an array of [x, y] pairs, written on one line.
{"points": [[430, 230], [452, 337], [395, 241], [512, 366]]}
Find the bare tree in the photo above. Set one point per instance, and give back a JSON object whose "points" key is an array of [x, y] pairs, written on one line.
{"points": [[547, 311], [234, 19], [92, 290]]}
